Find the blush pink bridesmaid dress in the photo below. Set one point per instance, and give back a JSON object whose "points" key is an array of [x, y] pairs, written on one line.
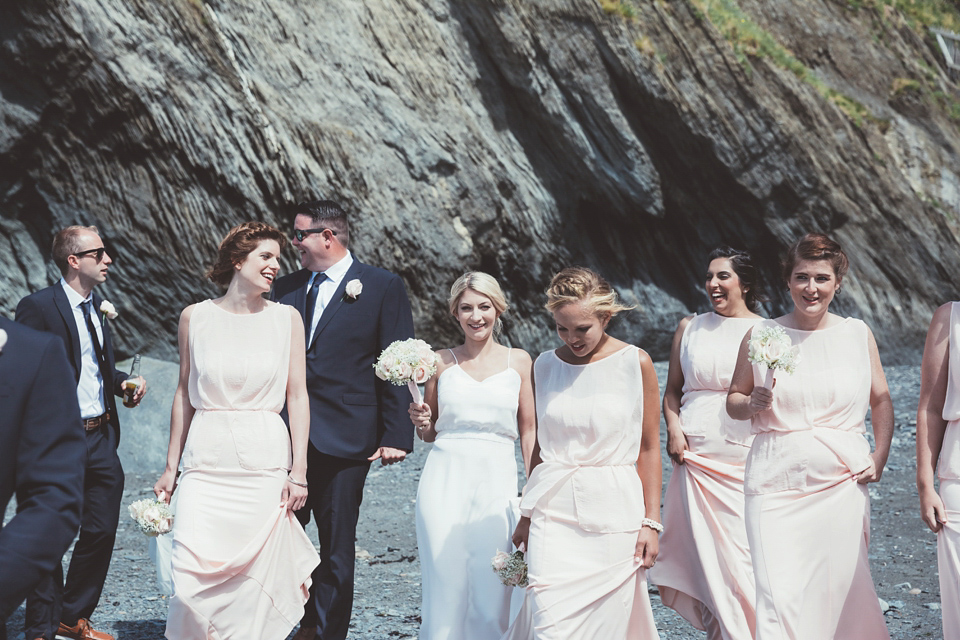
{"points": [[948, 470], [704, 570], [808, 520], [585, 502], [241, 562]]}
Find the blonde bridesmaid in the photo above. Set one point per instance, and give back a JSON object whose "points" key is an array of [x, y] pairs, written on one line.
{"points": [[590, 511], [704, 570], [807, 506], [938, 453]]}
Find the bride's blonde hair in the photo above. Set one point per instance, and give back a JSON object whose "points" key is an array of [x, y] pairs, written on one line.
{"points": [[579, 284], [485, 285]]}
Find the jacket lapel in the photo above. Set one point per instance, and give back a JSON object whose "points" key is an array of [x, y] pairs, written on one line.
{"points": [[337, 300], [69, 320]]}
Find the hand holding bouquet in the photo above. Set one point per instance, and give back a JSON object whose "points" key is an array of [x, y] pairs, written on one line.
{"points": [[771, 346], [510, 568], [153, 517], [409, 362]]}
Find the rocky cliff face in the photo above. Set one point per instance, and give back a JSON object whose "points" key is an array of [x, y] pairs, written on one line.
{"points": [[513, 136]]}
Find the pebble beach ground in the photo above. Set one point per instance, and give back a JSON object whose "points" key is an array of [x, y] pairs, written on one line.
{"points": [[902, 551]]}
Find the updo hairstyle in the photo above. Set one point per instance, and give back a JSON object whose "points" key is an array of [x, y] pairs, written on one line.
{"points": [[237, 245], [579, 284], [485, 285], [742, 264], [816, 246]]}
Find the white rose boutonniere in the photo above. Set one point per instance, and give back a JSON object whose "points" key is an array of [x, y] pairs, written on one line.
{"points": [[108, 310], [353, 289], [3, 340]]}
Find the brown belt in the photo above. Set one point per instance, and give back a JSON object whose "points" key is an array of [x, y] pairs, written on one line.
{"points": [[94, 423]]}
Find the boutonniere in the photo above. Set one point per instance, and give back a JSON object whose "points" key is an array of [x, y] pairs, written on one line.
{"points": [[3, 340], [108, 310], [353, 289]]}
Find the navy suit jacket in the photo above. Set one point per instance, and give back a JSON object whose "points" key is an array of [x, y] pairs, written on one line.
{"points": [[43, 454], [352, 412], [49, 310]]}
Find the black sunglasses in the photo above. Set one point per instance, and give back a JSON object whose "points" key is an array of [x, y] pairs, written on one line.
{"points": [[300, 234], [97, 253]]}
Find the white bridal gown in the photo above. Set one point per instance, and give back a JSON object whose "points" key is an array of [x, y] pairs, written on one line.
{"points": [[463, 514]]}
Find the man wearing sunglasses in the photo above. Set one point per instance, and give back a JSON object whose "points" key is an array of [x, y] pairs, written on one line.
{"points": [[71, 310], [351, 312]]}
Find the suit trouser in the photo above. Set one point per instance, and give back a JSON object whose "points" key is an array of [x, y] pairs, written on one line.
{"points": [[52, 601], [336, 491]]}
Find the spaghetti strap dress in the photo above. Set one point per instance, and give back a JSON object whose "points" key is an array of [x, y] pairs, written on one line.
{"points": [[241, 561], [463, 510]]}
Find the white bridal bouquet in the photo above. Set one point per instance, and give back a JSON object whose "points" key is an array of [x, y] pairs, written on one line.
{"points": [[410, 362], [771, 346], [510, 568], [153, 517]]}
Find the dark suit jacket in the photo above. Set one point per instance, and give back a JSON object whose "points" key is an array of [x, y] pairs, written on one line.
{"points": [[49, 310], [43, 454], [352, 412]]}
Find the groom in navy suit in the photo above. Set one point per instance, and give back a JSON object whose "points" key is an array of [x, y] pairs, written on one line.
{"points": [[71, 310], [351, 312], [42, 459]]}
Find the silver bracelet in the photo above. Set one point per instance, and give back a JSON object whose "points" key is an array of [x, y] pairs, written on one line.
{"points": [[653, 524], [299, 484]]}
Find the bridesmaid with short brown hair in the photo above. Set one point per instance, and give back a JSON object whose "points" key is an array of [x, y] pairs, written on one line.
{"points": [[807, 506]]}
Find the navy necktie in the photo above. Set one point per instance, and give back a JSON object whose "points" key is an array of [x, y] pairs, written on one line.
{"points": [[88, 315], [312, 300]]}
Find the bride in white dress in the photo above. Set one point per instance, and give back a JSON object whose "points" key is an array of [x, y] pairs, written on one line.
{"points": [[475, 407]]}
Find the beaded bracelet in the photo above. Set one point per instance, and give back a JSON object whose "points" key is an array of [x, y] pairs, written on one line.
{"points": [[299, 484], [653, 524]]}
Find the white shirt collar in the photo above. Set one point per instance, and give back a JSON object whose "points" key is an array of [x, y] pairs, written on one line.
{"points": [[74, 298], [338, 270]]}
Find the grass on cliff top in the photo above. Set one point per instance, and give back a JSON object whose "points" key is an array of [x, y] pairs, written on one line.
{"points": [[750, 40], [920, 14]]}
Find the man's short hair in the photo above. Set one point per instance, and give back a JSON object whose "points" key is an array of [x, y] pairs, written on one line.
{"points": [[327, 214], [66, 243]]}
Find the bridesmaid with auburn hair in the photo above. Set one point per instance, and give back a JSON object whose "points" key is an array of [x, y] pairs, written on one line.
{"points": [[938, 454], [704, 570], [807, 506], [476, 406], [590, 511]]}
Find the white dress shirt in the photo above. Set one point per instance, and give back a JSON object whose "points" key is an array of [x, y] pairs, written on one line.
{"points": [[327, 288], [90, 387]]}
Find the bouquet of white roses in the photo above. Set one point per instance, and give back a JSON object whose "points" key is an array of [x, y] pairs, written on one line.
{"points": [[153, 517], [410, 362], [771, 346], [510, 568]]}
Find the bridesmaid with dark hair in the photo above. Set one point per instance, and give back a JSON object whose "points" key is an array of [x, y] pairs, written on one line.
{"points": [[704, 570]]}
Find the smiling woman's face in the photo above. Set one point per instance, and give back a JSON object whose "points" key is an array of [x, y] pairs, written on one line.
{"points": [[580, 328], [813, 284]]}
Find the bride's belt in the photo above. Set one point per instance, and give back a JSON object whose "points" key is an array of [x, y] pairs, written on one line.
{"points": [[476, 435]]}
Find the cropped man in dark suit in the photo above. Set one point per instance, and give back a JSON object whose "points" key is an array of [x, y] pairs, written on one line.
{"points": [[70, 310], [351, 312], [42, 459]]}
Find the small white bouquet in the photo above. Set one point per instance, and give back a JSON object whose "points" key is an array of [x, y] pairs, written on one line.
{"points": [[153, 517], [410, 362], [510, 568], [771, 346]]}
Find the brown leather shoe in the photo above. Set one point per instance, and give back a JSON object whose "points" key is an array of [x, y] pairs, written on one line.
{"points": [[305, 633], [82, 631]]}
